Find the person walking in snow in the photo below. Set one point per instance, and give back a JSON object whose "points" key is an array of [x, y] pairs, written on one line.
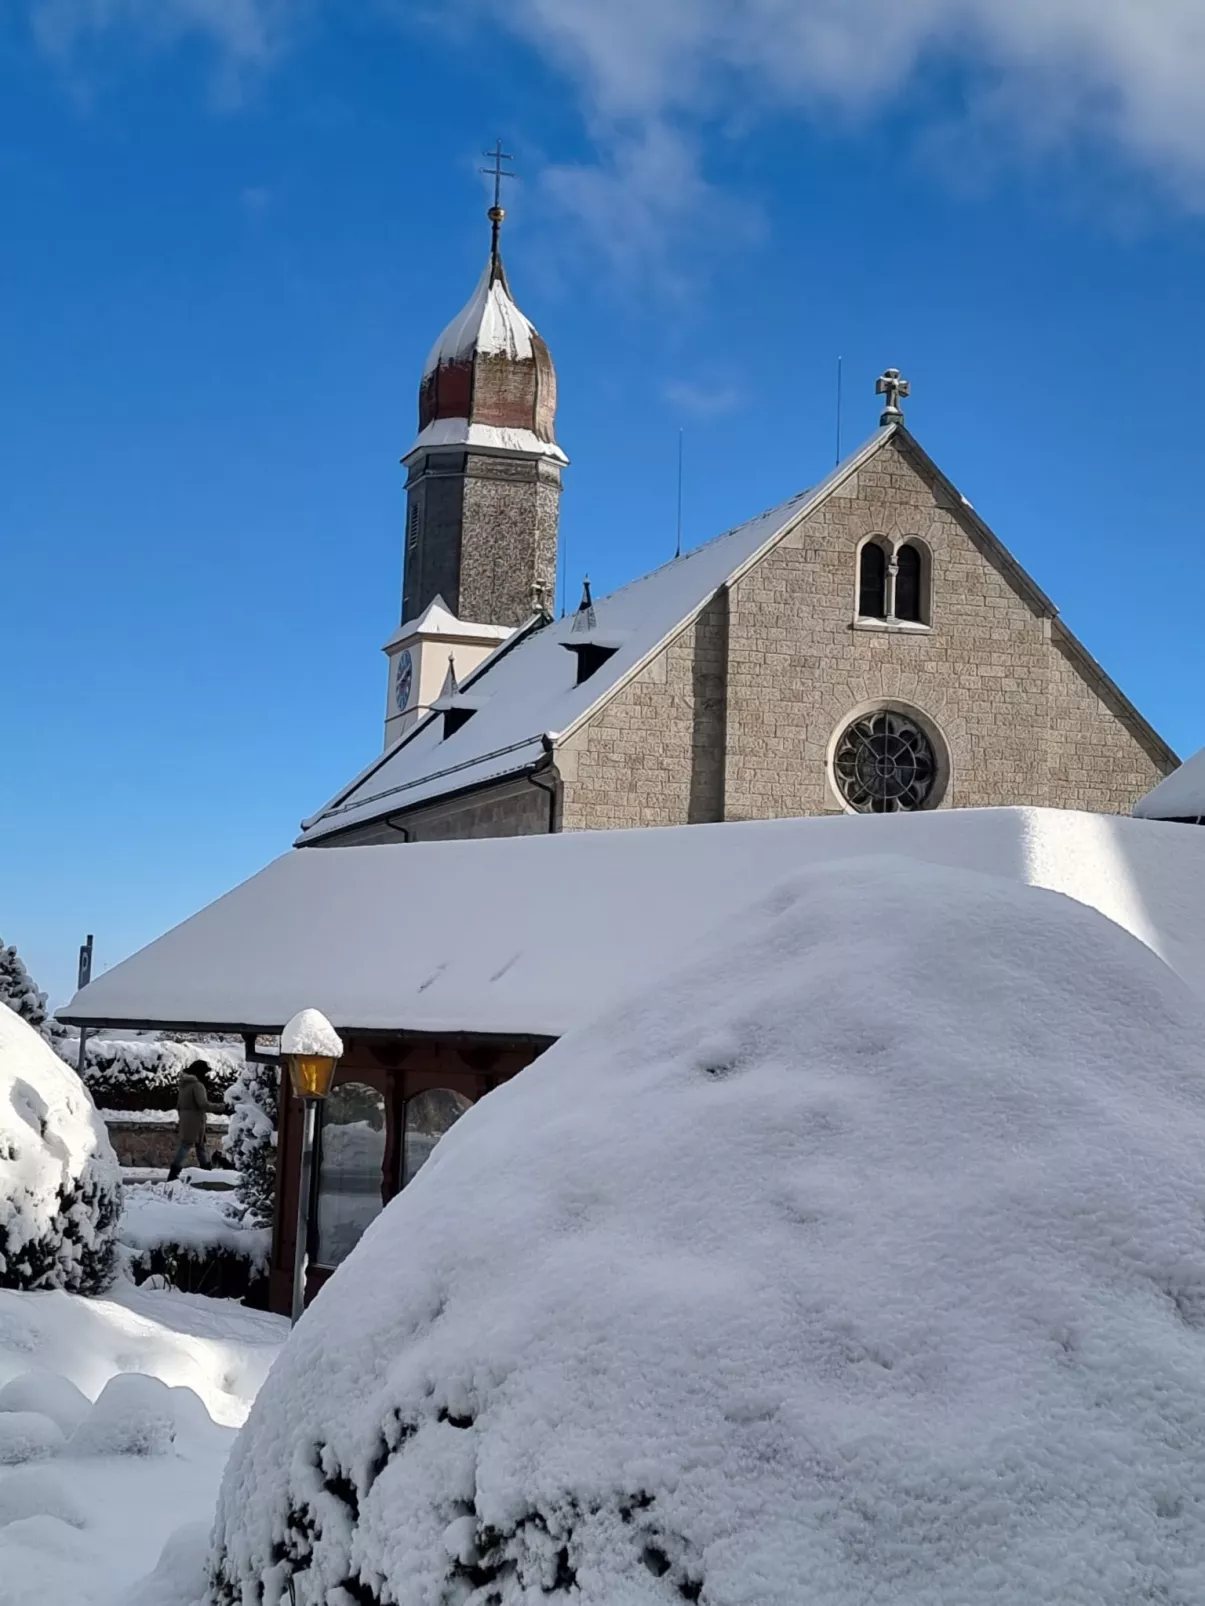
{"points": [[192, 1102]]}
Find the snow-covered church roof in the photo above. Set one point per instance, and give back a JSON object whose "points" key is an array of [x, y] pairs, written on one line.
{"points": [[529, 936], [1179, 796]]}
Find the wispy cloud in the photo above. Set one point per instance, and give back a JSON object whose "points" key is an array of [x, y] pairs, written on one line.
{"points": [[245, 31], [245, 36], [1126, 70], [701, 400], [633, 203], [255, 199], [1042, 74]]}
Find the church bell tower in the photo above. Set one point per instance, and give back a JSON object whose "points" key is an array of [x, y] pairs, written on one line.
{"points": [[484, 474]]}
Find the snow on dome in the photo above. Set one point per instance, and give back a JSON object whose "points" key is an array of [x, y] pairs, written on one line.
{"points": [[863, 1259], [60, 1187], [1179, 796], [490, 323], [309, 1032]]}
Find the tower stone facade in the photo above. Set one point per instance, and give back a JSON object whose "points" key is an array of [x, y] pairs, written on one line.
{"points": [[484, 474]]}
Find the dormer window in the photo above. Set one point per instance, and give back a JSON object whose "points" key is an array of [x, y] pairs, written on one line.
{"points": [[591, 656], [590, 645], [455, 718]]}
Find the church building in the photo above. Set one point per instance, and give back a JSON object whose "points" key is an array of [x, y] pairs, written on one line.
{"points": [[868, 646]]}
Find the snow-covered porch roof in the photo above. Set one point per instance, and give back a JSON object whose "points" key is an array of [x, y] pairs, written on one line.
{"points": [[1179, 796], [528, 936]]}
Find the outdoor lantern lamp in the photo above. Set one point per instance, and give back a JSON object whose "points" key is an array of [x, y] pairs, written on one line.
{"points": [[312, 1074], [312, 1048]]}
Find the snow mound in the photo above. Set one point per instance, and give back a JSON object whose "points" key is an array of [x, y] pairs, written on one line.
{"points": [[60, 1187], [179, 1575], [862, 1260], [49, 1395], [134, 1415], [38, 1492], [27, 1436]]}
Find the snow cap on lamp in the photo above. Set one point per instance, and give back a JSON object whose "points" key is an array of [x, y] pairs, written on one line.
{"points": [[309, 1032]]}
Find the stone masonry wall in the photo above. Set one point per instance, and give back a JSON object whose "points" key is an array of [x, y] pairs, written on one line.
{"points": [[654, 754], [1019, 721], [509, 538]]}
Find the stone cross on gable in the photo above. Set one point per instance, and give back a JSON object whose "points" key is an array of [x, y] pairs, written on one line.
{"points": [[891, 386]]}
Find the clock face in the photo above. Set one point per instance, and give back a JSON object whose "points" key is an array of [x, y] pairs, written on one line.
{"points": [[404, 681]]}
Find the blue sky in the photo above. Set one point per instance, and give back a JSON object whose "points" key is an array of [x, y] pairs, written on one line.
{"points": [[233, 227]]}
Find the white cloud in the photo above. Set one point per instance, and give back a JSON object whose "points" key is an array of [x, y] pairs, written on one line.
{"points": [[1129, 72], [652, 74], [1131, 68]]}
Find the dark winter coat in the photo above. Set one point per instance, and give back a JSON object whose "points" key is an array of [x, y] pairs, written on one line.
{"points": [[193, 1104]]}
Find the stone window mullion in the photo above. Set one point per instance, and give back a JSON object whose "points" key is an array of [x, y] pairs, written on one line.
{"points": [[893, 569]]}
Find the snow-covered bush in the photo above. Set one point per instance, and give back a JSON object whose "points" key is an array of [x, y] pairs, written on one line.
{"points": [[143, 1072], [27, 1436], [21, 994], [862, 1259], [133, 1415], [253, 1100], [60, 1187]]}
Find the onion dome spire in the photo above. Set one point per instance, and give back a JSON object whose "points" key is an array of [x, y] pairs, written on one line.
{"points": [[489, 380]]}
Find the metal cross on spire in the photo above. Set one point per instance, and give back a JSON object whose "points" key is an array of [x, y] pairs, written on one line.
{"points": [[497, 212], [894, 389]]}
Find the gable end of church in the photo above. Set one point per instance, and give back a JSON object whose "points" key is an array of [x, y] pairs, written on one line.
{"points": [[742, 714]]}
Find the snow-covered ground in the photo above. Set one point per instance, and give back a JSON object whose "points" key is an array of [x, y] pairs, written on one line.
{"points": [[861, 1258], [84, 1521]]}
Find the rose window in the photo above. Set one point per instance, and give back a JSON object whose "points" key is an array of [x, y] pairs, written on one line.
{"points": [[884, 764]]}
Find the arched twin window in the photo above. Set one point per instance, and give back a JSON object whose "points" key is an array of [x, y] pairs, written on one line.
{"points": [[893, 585]]}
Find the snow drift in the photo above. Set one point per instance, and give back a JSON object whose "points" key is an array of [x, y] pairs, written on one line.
{"points": [[862, 1260], [60, 1187]]}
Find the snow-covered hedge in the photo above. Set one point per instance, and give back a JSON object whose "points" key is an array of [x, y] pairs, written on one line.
{"points": [[60, 1188], [193, 1239], [253, 1100], [862, 1260], [142, 1072]]}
